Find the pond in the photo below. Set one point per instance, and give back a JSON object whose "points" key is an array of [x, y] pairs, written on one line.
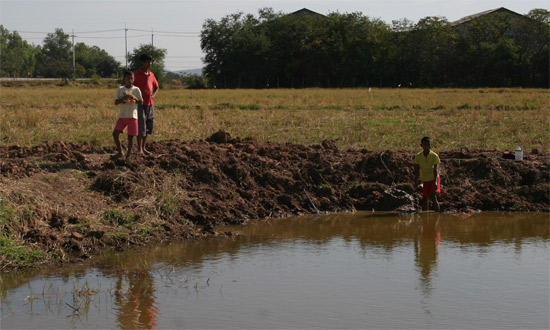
{"points": [[362, 270]]}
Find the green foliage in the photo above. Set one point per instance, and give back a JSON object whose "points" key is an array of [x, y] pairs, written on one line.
{"points": [[516, 207], [172, 198], [18, 58], [14, 253], [119, 217], [351, 50], [54, 59], [158, 55], [96, 62], [6, 215], [194, 81]]}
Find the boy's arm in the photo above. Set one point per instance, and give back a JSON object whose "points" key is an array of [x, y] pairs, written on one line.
{"points": [[416, 172], [155, 88], [118, 99], [139, 98]]}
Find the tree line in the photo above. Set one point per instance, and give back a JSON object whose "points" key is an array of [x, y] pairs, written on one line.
{"points": [[351, 50], [54, 58]]}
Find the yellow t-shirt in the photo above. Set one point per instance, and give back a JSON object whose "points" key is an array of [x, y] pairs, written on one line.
{"points": [[426, 164]]}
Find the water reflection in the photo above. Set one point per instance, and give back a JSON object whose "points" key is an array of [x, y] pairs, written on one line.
{"points": [[136, 303], [425, 250], [133, 279]]}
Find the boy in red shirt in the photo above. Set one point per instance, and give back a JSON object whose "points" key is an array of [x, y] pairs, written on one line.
{"points": [[426, 168], [146, 81]]}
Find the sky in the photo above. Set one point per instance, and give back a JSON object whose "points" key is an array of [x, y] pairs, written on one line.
{"points": [[175, 25]]}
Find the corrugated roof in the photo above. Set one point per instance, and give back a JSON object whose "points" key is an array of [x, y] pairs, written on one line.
{"points": [[483, 13], [306, 12]]}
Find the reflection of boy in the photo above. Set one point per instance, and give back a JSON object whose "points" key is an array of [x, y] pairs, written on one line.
{"points": [[426, 168], [128, 96], [147, 82]]}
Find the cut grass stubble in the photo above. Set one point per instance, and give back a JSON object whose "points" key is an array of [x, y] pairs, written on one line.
{"points": [[382, 119]]}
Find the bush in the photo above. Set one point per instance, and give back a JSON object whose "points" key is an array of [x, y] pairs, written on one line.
{"points": [[194, 81]]}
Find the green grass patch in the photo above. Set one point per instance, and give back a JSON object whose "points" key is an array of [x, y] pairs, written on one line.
{"points": [[118, 217], [15, 254], [172, 197]]}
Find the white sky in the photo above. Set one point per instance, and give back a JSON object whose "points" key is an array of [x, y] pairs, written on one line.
{"points": [[187, 17]]}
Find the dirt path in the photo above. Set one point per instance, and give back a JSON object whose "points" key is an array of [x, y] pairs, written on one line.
{"points": [[73, 200]]}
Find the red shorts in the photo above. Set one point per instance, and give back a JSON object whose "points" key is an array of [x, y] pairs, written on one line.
{"points": [[131, 123], [428, 187]]}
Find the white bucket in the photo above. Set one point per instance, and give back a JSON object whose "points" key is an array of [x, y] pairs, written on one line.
{"points": [[519, 154]]}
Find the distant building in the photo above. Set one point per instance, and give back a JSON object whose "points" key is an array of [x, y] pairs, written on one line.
{"points": [[466, 20], [304, 12]]}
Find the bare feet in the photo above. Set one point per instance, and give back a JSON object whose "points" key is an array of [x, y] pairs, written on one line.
{"points": [[147, 152], [118, 155]]}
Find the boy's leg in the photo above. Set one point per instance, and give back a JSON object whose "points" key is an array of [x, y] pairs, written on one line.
{"points": [[143, 141], [133, 130], [435, 202], [130, 146], [149, 122], [139, 144], [141, 128], [425, 205], [116, 137]]}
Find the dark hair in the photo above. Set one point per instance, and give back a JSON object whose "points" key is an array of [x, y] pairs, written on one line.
{"points": [[426, 139], [145, 57], [128, 73]]}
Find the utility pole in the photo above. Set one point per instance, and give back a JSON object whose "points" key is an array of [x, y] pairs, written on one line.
{"points": [[126, 44], [152, 37], [74, 62]]}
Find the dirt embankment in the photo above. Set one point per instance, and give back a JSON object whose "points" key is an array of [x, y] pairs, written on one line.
{"points": [[72, 199]]}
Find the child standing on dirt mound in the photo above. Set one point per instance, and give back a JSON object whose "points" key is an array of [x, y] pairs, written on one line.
{"points": [[426, 168], [128, 97], [149, 86]]}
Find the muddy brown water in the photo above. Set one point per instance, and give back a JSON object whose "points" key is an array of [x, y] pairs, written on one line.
{"points": [[363, 270]]}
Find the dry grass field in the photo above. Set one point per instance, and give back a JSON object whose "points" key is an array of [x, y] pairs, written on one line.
{"points": [[378, 119]]}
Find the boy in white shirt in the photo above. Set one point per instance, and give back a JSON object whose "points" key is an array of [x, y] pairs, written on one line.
{"points": [[128, 96]]}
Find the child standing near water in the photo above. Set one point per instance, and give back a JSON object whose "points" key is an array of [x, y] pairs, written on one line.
{"points": [[426, 169], [128, 97]]}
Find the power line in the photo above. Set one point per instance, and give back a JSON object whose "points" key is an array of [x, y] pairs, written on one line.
{"points": [[28, 32], [135, 36], [175, 32], [114, 30], [100, 31], [167, 35]]}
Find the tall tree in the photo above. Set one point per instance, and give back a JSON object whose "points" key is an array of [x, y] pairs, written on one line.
{"points": [[17, 56], [158, 55], [96, 61], [349, 50], [54, 60], [533, 38], [490, 53], [430, 49]]}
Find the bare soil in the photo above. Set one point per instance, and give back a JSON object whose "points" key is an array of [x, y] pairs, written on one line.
{"points": [[74, 200]]}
